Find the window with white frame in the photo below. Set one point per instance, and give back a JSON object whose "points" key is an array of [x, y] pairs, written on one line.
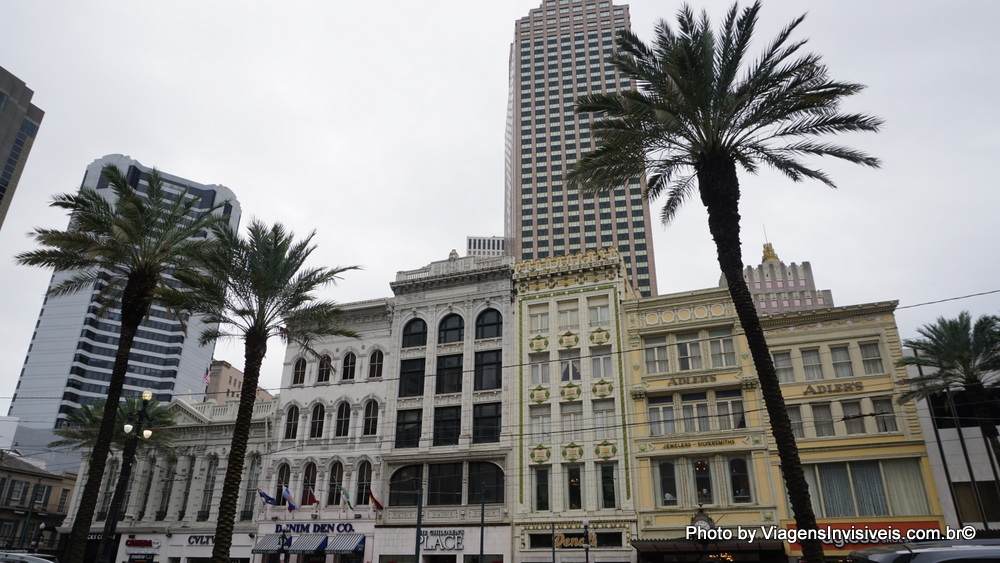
{"points": [[661, 415], [704, 486], [569, 365], [541, 423], [871, 358], [694, 411], [739, 480], [607, 493], [600, 363], [885, 418], [604, 418], [538, 319], [783, 367], [812, 364], [853, 419], [656, 355], [540, 487], [889, 487], [722, 347], [822, 419], [572, 421], [599, 312], [539, 368], [569, 315], [841, 358], [729, 406], [795, 417], [688, 352], [574, 487]]}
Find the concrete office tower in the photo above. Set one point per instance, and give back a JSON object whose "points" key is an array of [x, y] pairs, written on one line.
{"points": [[72, 350], [19, 121], [484, 246], [557, 56], [779, 288]]}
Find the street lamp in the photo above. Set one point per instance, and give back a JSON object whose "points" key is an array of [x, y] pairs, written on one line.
{"points": [[38, 538], [586, 541], [107, 548]]}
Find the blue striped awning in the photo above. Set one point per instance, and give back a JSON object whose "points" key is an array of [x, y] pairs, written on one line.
{"points": [[308, 543], [346, 544], [270, 544]]}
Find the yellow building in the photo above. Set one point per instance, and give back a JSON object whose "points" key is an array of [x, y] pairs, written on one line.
{"points": [[702, 450]]}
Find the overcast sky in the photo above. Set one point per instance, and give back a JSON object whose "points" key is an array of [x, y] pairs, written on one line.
{"points": [[381, 126]]}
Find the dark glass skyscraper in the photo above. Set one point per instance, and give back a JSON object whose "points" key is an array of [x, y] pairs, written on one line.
{"points": [[558, 55], [19, 121]]}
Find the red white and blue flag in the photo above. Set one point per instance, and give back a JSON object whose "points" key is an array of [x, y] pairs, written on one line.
{"points": [[266, 498], [287, 495], [208, 376]]}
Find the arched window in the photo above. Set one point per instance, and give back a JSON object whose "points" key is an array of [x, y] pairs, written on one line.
{"points": [[251, 482], [309, 485], [299, 372], [284, 477], [336, 482], [350, 364], [209, 490], [404, 484], [739, 480], [325, 367], [451, 329], [489, 324], [343, 419], [415, 333], [375, 362], [371, 418], [316, 424], [364, 484], [485, 482], [292, 423]]}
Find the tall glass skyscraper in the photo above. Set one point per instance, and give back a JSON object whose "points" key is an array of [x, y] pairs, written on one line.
{"points": [[72, 350], [558, 55], [19, 121]]}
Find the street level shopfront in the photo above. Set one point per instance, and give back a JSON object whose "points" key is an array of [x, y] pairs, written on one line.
{"points": [[444, 544], [314, 542]]}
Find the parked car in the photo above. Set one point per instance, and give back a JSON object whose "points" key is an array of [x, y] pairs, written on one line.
{"points": [[964, 551], [8, 557]]}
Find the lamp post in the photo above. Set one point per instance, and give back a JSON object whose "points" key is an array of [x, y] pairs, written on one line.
{"points": [[586, 541], [38, 538], [107, 548]]}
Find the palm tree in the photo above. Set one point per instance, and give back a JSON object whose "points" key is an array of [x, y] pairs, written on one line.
{"points": [[702, 110], [255, 288], [964, 356], [84, 423], [125, 246]]}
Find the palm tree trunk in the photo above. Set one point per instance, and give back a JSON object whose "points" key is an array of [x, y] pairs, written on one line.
{"points": [[136, 300], [256, 347], [720, 193], [979, 398]]}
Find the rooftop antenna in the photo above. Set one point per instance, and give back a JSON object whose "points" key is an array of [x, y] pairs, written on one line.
{"points": [[765, 232]]}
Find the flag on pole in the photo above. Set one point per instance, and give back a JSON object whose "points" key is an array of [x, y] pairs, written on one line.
{"points": [[347, 497], [287, 495], [266, 498], [208, 375], [371, 496], [310, 497]]}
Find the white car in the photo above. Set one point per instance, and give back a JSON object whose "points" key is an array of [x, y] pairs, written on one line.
{"points": [[6, 557]]}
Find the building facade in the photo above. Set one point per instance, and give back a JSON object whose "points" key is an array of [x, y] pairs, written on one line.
{"points": [[558, 55], [574, 487], [33, 503], [71, 353], [226, 383], [19, 121], [485, 246], [779, 288]]}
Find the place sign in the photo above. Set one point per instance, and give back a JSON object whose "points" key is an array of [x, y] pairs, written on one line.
{"points": [[833, 388], [445, 540]]}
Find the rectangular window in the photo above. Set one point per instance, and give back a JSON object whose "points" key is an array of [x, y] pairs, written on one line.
{"points": [[541, 487], [539, 368], [607, 493], [885, 418], [600, 315], [729, 405], [411, 377], [822, 419], [783, 367], [449, 374], [969, 508], [871, 358], [604, 418], [408, 428], [569, 316], [795, 416], [600, 363], [694, 410], [541, 423], [487, 374], [486, 423], [703, 486], [722, 349], [572, 421], [841, 357], [538, 320], [444, 484], [661, 415], [569, 365], [574, 487], [739, 479], [891, 487], [688, 352], [812, 364], [853, 417], [656, 355], [668, 484], [447, 425]]}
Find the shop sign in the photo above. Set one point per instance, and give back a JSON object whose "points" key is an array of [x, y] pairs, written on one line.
{"points": [[690, 380], [562, 541], [132, 542], [833, 388], [201, 540], [445, 540], [315, 528], [700, 444]]}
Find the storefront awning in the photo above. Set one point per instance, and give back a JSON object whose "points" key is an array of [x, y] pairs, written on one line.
{"points": [[346, 544], [308, 543], [270, 544], [696, 546]]}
